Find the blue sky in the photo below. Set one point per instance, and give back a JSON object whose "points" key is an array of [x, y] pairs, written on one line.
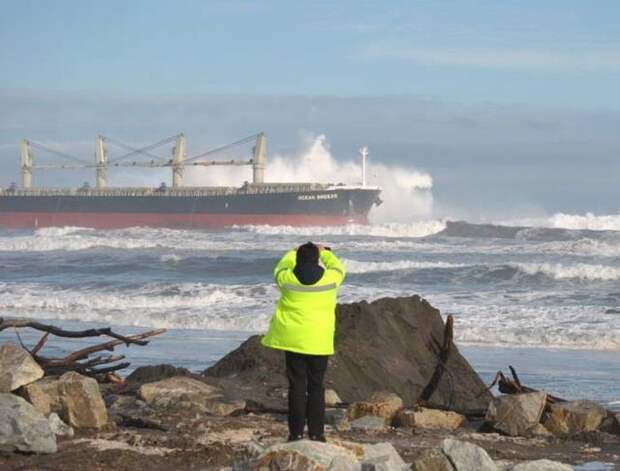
{"points": [[553, 52], [511, 106]]}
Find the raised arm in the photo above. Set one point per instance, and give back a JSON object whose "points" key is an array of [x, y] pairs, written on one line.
{"points": [[332, 263], [286, 263]]}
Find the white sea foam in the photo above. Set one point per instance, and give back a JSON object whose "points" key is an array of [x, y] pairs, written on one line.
{"points": [[406, 191], [187, 305], [527, 321], [580, 271], [355, 266], [587, 221], [389, 230]]}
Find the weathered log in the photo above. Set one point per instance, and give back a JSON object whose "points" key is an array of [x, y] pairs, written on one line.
{"points": [[443, 355], [21, 323], [80, 360], [514, 386]]}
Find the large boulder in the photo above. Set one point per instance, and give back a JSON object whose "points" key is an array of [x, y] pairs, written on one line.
{"points": [[389, 344], [17, 368], [74, 397], [466, 456], [568, 418], [516, 414], [24, 428]]}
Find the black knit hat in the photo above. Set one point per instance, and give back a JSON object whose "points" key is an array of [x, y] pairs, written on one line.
{"points": [[307, 253]]}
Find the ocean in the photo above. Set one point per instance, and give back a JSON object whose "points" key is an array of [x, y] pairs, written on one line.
{"points": [[542, 295]]}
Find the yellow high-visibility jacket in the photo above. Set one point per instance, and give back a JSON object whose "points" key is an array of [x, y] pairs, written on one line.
{"points": [[305, 316]]}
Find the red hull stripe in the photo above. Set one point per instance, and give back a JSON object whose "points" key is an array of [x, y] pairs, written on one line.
{"points": [[24, 220]]}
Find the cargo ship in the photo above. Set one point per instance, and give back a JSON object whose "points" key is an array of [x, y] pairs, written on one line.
{"points": [[178, 206]]}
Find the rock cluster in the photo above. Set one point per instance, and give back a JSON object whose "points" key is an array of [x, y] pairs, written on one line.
{"points": [[390, 344], [528, 415], [43, 408], [387, 353]]}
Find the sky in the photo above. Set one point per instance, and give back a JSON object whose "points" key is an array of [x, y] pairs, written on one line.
{"points": [[482, 95]]}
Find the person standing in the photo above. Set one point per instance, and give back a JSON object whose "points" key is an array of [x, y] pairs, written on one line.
{"points": [[303, 326]]}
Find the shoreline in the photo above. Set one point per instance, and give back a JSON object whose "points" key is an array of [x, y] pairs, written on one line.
{"points": [[592, 373]]}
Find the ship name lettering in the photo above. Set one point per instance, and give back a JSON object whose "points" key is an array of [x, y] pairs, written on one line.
{"points": [[322, 196]]}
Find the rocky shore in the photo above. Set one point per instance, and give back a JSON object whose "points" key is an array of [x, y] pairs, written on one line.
{"points": [[392, 353]]}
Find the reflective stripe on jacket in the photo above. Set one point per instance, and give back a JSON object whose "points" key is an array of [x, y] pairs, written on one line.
{"points": [[305, 316]]}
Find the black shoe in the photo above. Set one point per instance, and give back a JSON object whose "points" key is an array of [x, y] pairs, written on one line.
{"points": [[295, 438], [320, 438]]}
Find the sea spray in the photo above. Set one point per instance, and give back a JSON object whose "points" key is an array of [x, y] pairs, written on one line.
{"points": [[406, 192]]}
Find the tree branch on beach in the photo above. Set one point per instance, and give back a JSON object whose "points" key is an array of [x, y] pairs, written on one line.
{"points": [[514, 386], [80, 361]]}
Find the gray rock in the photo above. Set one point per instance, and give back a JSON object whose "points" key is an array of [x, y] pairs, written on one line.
{"points": [[24, 428], [369, 423], [305, 455], [568, 418], [381, 404], [432, 460], [382, 457], [335, 417], [516, 414], [542, 465], [176, 390], [466, 456], [422, 417], [17, 368], [74, 397], [224, 407], [152, 373], [59, 428], [331, 398]]}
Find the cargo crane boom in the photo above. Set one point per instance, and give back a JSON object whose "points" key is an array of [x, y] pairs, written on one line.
{"points": [[177, 163]]}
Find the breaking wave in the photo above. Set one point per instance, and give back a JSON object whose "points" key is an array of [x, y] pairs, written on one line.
{"points": [[396, 230], [355, 266], [587, 221], [581, 271]]}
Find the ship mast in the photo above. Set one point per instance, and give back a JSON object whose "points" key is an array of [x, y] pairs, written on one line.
{"points": [[364, 155], [101, 163], [26, 158], [178, 161], [259, 161]]}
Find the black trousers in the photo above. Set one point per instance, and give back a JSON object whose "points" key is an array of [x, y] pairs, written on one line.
{"points": [[306, 395]]}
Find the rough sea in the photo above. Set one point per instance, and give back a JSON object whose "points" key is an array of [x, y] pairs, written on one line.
{"points": [[543, 297]]}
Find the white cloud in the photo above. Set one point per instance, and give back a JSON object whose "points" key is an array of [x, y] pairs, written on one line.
{"points": [[502, 59]]}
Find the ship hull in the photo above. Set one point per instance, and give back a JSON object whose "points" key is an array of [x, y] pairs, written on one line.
{"points": [[307, 208], [21, 220]]}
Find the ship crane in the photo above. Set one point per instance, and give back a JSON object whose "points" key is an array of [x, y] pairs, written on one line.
{"points": [[178, 162]]}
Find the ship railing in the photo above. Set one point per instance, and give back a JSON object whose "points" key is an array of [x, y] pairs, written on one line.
{"points": [[249, 188]]}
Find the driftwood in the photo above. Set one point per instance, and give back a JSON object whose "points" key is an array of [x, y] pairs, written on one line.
{"points": [[100, 367], [443, 355], [514, 386]]}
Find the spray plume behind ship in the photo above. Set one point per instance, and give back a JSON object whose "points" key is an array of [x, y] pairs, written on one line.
{"points": [[179, 206]]}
